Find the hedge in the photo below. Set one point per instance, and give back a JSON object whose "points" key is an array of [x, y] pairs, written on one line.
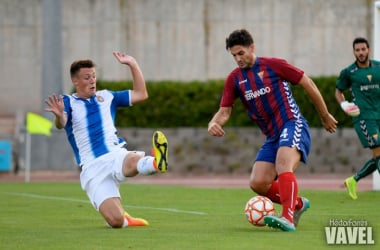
{"points": [[192, 104]]}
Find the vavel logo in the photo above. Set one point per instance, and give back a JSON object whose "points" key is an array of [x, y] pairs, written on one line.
{"points": [[349, 232]]}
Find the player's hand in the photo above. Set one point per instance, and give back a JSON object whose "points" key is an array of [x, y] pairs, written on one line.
{"points": [[124, 58], [56, 105], [350, 108], [329, 122], [215, 129]]}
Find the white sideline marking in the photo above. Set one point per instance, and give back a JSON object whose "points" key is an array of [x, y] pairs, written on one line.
{"points": [[45, 197], [173, 210]]}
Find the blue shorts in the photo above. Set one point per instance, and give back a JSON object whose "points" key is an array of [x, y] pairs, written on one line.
{"points": [[295, 133]]}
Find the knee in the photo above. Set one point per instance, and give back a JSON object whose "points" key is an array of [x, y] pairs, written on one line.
{"points": [[260, 187], [130, 164], [115, 221], [133, 158]]}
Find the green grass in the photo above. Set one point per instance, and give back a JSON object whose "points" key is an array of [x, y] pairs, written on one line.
{"points": [[59, 216]]}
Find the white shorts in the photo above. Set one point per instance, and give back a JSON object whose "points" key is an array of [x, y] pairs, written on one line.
{"points": [[101, 178]]}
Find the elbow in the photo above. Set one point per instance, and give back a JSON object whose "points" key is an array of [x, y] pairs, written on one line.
{"points": [[144, 97], [139, 98], [59, 126]]}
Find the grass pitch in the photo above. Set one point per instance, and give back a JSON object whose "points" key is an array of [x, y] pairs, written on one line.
{"points": [[59, 216]]}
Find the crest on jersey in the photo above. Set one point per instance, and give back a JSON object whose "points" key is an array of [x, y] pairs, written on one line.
{"points": [[100, 98], [369, 78], [261, 74]]}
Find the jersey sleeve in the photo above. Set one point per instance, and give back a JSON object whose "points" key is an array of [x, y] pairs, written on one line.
{"points": [[286, 71], [343, 81], [229, 93], [122, 98], [67, 105]]}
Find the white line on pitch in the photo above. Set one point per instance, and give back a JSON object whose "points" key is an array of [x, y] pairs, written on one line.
{"points": [[174, 210]]}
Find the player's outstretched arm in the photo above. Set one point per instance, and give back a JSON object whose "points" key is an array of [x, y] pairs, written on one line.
{"points": [[139, 92], [328, 121]]}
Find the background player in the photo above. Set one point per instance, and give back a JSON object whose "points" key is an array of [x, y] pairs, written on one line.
{"points": [[362, 78]]}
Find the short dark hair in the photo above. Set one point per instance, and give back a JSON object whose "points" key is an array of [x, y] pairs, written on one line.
{"points": [[239, 37], [77, 65], [360, 40]]}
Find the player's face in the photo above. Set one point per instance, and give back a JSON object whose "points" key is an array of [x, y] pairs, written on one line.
{"points": [[85, 82], [361, 52], [243, 56]]}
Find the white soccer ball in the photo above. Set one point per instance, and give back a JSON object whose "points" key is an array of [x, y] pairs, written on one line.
{"points": [[256, 208]]}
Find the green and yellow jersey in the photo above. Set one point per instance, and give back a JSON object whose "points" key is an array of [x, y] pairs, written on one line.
{"points": [[364, 85]]}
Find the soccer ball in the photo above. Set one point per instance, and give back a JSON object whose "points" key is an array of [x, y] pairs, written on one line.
{"points": [[256, 208]]}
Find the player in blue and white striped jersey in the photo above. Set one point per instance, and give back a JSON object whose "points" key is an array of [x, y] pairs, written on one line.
{"points": [[88, 118]]}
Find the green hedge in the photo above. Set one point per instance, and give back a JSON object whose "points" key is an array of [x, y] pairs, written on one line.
{"points": [[192, 104]]}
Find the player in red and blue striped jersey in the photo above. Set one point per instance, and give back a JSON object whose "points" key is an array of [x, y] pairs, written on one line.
{"points": [[262, 84]]}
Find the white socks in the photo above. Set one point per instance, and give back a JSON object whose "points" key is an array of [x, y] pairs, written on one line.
{"points": [[145, 165]]}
